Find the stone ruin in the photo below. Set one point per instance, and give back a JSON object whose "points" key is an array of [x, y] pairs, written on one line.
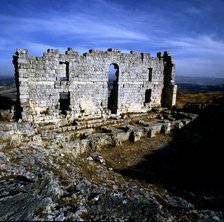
{"points": [[61, 88], [69, 101]]}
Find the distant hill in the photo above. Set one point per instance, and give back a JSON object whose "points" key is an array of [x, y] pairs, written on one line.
{"points": [[199, 84], [6, 80], [199, 80], [199, 88], [8, 87]]}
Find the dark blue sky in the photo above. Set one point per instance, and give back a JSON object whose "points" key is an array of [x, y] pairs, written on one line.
{"points": [[192, 31]]}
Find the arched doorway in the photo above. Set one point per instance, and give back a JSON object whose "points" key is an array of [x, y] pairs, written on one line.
{"points": [[113, 87]]}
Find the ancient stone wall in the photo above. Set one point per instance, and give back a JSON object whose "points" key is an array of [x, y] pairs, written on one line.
{"points": [[70, 86]]}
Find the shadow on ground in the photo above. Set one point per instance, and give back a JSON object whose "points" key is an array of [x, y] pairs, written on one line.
{"points": [[192, 164]]}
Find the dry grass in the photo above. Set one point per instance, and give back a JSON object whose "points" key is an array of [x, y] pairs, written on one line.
{"points": [[129, 154], [184, 98], [96, 172]]}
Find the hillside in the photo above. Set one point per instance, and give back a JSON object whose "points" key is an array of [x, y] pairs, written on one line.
{"points": [[203, 81], [8, 87]]}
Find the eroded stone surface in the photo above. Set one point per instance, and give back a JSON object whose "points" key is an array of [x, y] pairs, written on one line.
{"points": [[45, 184]]}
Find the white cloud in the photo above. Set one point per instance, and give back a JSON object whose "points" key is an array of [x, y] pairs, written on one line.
{"points": [[201, 45], [39, 48], [80, 24], [146, 30], [203, 55], [193, 11]]}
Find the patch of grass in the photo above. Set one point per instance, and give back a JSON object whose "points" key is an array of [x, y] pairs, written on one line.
{"points": [[87, 169], [85, 216], [129, 154], [183, 98], [39, 212]]}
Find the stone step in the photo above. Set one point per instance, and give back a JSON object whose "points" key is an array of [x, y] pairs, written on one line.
{"points": [[94, 123]]}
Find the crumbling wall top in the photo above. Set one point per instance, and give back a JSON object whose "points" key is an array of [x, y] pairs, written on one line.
{"points": [[21, 52]]}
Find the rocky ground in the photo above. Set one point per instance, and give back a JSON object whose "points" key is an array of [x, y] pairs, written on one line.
{"points": [[170, 177], [47, 184]]}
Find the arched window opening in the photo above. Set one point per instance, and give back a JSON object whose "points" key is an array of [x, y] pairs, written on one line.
{"points": [[113, 87]]}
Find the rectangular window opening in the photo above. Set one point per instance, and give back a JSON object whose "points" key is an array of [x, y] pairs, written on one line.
{"points": [[150, 74], [64, 101], [148, 94], [65, 69]]}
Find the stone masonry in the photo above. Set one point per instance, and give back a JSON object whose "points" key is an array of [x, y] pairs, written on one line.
{"points": [[66, 87]]}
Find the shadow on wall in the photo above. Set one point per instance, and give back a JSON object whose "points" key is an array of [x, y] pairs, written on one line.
{"points": [[192, 163]]}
